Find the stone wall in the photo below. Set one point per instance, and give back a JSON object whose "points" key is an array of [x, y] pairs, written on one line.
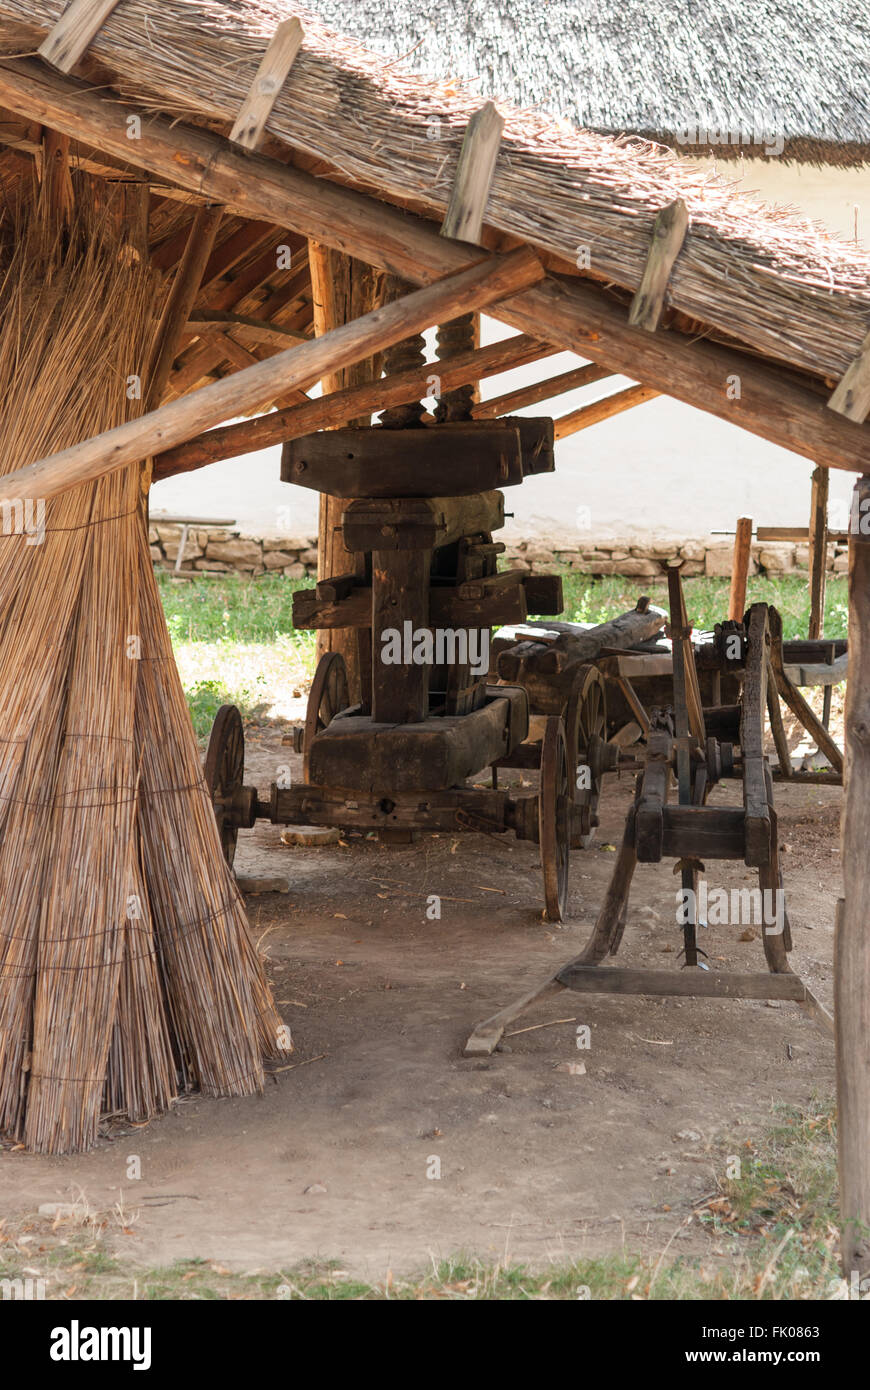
{"points": [[223, 551]]}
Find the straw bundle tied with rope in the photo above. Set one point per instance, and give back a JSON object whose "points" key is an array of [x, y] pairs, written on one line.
{"points": [[126, 963]]}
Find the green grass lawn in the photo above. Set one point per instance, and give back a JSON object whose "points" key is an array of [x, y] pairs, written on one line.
{"points": [[234, 638]]}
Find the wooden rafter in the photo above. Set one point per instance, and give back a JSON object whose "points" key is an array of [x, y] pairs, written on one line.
{"points": [[474, 174], [573, 314], [604, 409], [340, 407], [485, 283], [77, 27], [250, 124], [540, 391]]}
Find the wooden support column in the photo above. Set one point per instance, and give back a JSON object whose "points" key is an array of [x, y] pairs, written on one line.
{"points": [[852, 939], [342, 289], [740, 569], [818, 552], [400, 595]]}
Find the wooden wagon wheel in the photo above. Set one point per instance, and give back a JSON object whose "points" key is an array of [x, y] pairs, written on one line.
{"points": [[586, 735], [555, 800], [329, 695], [224, 774]]}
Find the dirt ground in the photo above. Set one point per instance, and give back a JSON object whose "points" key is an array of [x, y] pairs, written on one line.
{"points": [[336, 1159]]}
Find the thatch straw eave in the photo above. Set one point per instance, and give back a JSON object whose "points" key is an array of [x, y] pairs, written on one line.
{"points": [[783, 287]]}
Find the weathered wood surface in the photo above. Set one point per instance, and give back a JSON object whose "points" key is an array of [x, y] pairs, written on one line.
{"points": [[852, 396], [753, 705], [669, 233], [419, 522], [441, 460], [852, 940], [573, 645], [339, 407], [76, 29], [485, 282], [400, 593], [250, 124], [796, 702], [446, 609], [180, 300], [474, 172], [818, 541], [604, 409], [572, 314], [538, 391], [740, 569]]}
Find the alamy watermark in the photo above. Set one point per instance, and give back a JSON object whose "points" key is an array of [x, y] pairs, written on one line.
{"points": [[24, 516], [745, 907], [758, 128], [440, 646]]}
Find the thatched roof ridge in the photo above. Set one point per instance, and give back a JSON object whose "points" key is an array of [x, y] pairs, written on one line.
{"points": [[783, 287], [646, 67]]}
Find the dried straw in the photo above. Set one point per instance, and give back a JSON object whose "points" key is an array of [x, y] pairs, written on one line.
{"points": [[774, 281]]}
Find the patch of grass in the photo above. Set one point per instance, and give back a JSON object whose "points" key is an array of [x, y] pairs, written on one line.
{"points": [[772, 1229]]}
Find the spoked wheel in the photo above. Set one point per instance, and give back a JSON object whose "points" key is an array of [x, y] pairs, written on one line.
{"points": [[586, 735], [329, 695], [224, 774], [555, 800]]}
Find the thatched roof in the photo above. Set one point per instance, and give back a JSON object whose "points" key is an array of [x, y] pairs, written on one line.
{"points": [[646, 67], [749, 276]]}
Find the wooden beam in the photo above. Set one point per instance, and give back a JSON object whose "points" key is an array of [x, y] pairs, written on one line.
{"points": [[740, 569], [800, 535], [250, 124], [490, 280], [256, 330], [77, 27], [180, 301], [474, 172], [852, 938], [818, 537], [602, 410], [571, 313], [669, 233], [540, 391], [852, 396], [340, 407]]}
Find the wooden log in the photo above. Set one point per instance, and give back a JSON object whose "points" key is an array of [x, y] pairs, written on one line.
{"points": [[601, 410], [540, 391], [339, 407], [447, 460], [669, 233], [342, 289], [76, 29], [474, 173], [740, 569], [685, 984], [852, 940], [755, 803], [255, 330], [574, 645], [818, 537], [301, 366], [250, 124], [852, 396], [574, 315]]}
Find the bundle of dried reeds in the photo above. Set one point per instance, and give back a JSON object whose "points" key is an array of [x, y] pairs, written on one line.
{"points": [[126, 964]]}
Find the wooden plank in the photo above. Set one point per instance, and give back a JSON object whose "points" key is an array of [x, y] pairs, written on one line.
{"points": [[77, 27], [474, 173], [796, 702], [448, 460], [799, 534], [601, 410], [301, 366], [669, 233], [755, 804], [340, 406], [706, 984], [818, 537], [852, 396], [419, 523], [852, 940], [702, 832], [573, 314], [540, 391], [400, 594], [255, 330], [740, 569], [649, 829], [543, 593], [250, 124], [446, 608]]}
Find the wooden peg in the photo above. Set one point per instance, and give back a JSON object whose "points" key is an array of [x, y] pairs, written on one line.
{"points": [[669, 233], [852, 396], [480, 146], [271, 75], [77, 27]]}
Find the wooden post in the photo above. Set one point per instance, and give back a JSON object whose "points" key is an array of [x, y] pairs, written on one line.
{"points": [[740, 569], [818, 552], [852, 939], [342, 289]]}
